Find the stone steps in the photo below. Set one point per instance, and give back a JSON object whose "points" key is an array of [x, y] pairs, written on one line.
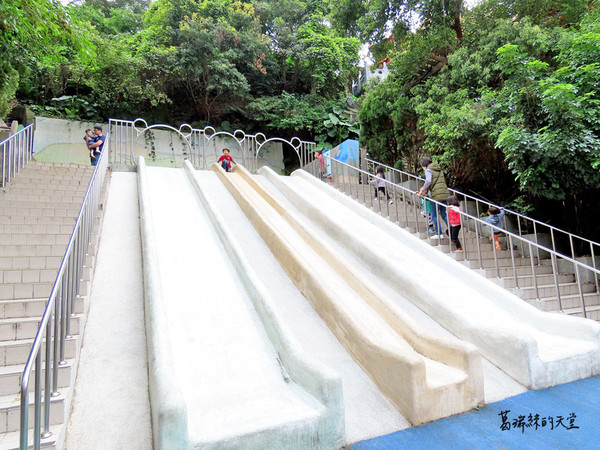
{"points": [[47, 219], [26, 327], [37, 213], [36, 228], [36, 239], [480, 255], [33, 250], [10, 411], [17, 352]]}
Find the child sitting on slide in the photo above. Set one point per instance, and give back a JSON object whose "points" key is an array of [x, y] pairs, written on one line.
{"points": [[225, 159]]}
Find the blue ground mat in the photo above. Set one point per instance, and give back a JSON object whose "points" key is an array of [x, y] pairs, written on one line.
{"points": [[560, 417]]}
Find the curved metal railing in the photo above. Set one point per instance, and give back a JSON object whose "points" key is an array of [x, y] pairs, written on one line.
{"points": [[406, 205], [48, 349]]}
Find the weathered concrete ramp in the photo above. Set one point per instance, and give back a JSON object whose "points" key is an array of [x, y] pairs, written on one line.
{"points": [[537, 349], [224, 373], [424, 376]]}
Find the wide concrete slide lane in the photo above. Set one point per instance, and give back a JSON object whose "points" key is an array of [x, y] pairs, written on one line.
{"points": [[535, 348], [210, 348], [423, 376]]}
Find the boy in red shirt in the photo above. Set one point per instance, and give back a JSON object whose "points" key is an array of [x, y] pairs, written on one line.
{"points": [[225, 159]]}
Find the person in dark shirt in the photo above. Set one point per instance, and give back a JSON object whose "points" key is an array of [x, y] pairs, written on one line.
{"points": [[96, 147]]}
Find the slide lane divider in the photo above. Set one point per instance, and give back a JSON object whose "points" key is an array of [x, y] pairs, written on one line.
{"points": [[424, 376], [320, 381]]}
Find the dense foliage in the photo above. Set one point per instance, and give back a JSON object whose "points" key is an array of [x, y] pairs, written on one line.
{"points": [[505, 95]]}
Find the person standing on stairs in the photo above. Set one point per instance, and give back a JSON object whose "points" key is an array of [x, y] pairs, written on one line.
{"points": [[379, 182], [96, 147], [435, 183], [495, 217]]}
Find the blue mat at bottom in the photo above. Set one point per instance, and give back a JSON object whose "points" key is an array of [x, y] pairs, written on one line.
{"points": [[560, 417]]}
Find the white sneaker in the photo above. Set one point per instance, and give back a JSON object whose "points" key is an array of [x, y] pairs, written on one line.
{"points": [[390, 201], [436, 236]]}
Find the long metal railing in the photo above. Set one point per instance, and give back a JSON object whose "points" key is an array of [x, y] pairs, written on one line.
{"points": [[17, 150], [48, 349], [524, 224], [406, 207]]}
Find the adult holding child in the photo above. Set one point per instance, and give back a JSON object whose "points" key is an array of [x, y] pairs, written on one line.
{"points": [[435, 184], [96, 148]]}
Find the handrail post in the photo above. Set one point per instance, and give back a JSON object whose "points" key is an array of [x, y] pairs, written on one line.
{"points": [[47, 381], [556, 284], [580, 288]]}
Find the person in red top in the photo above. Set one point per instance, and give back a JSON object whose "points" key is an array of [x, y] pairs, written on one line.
{"points": [[225, 159], [454, 222]]}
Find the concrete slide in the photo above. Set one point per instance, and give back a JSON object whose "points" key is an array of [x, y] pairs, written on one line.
{"points": [[224, 370], [424, 376], [535, 348]]}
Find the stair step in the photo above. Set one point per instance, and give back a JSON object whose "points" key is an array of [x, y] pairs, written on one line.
{"points": [[592, 312], [26, 328], [27, 276], [42, 203], [527, 280], [10, 377], [35, 239], [56, 211], [29, 262], [32, 250], [14, 291], [17, 352], [42, 191], [31, 307], [521, 270], [549, 290], [47, 219], [37, 228], [10, 411], [568, 302], [10, 441], [502, 262]]}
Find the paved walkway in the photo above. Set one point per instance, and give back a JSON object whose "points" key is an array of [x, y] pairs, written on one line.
{"points": [[111, 407], [576, 403]]}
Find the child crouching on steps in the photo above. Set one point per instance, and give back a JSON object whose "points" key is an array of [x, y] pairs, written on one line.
{"points": [[454, 222], [495, 216], [380, 183]]}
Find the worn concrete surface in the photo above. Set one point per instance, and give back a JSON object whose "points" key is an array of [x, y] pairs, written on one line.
{"points": [[110, 406]]}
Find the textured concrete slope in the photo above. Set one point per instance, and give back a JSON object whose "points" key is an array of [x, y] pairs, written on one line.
{"points": [[224, 366]]}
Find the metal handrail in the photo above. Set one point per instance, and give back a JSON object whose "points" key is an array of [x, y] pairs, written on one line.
{"points": [[17, 150], [594, 246], [345, 177], [55, 325]]}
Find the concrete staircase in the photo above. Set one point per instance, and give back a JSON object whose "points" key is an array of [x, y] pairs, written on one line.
{"points": [[505, 274], [37, 213]]}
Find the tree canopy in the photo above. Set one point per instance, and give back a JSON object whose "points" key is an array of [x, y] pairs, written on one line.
{"points": [[504, 95]]}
